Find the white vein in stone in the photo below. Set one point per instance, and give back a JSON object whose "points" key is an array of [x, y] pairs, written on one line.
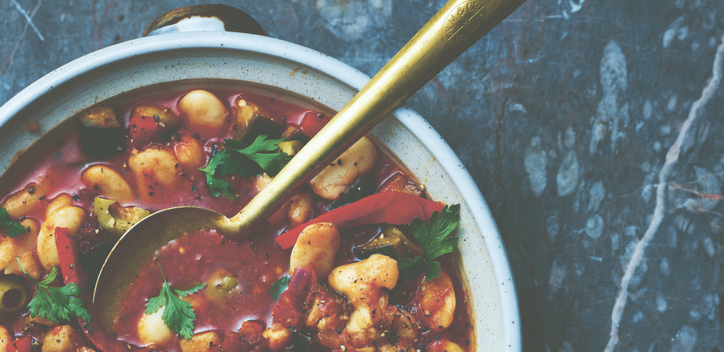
{"points": [[576, 5], [671, 158], [28, 18]]}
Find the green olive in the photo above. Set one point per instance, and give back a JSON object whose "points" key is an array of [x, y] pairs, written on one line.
{"points": [[14, 295], [117, 219], [220, 285]]}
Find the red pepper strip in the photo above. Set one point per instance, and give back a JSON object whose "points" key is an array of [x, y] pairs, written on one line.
{"points": [[394, 208], [72, 272], [312, 122], [22, 344]]}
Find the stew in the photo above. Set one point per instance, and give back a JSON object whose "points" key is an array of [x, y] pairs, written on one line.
{"points": [[358, 260]]}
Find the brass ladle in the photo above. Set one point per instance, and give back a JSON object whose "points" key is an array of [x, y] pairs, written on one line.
{"points": [[452, 30]]}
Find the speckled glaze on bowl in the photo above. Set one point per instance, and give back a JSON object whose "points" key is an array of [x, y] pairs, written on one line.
{"points": [[213, 58]]}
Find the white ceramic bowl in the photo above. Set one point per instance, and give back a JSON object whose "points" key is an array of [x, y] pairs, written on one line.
{"points": [[224, 58]]}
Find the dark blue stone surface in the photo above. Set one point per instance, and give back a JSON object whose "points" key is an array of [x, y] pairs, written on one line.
{"points": [[564, 114]]}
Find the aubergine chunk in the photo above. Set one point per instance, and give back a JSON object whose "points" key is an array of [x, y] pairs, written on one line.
{"points": [[293, 133], [362, 188], [390, 242], [251, 120], [167, 121], [100, 133], [92, 261]]}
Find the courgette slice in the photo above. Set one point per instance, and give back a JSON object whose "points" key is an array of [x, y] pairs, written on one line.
{"points": [[117, 219], [390, 242]]}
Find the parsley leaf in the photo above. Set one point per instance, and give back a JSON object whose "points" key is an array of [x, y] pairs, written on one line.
{"points": [[12, 228], [244, 160], [179, 315], [279, 286], [261, 152], [56, 303], [217, 186], [436, 239]]}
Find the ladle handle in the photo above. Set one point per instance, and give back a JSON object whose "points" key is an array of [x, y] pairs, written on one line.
{"points": [[453, 29]]}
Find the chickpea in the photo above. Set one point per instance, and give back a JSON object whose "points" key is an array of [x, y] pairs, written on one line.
{"points": [[205, 341], [316, 248], [8, 248], [277, 337], [152, 329], [62, 200], [300, 208], [5, 338], [21, 203], [203, 112], [363, 282], [437, 299], [110, 183], [31, 264], [190, 152], [155, 170], [62, 339], [69, 217], [24, 248], [336, 178]]}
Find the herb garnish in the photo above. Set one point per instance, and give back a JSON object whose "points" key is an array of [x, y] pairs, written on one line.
{"points": [[56, 303], [279, 286], [216, 185], [436, 239], [243, 160], [179, 315], [12, 228]]}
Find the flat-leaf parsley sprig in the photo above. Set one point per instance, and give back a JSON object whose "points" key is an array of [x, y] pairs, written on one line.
{"points": [[217, 186], [179, 315], [436, 239], [56, 303], [260, 156], [12, 228]]}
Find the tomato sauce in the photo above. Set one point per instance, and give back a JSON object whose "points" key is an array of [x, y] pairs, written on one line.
{"points": [[58, 162], [192, 259]]}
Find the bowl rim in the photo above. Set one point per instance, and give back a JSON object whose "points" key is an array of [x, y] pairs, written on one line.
{"points": [[336, 69]]}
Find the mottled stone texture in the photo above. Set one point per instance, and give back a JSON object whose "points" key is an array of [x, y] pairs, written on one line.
{"points": [[563, 114]]}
